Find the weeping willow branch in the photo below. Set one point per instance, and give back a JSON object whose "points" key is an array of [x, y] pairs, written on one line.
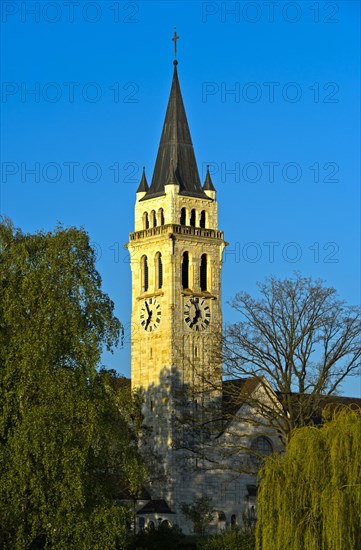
{"points": [[310, 497]]}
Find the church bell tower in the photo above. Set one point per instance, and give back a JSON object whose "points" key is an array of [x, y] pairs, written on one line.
{"points": [[176, 256]]}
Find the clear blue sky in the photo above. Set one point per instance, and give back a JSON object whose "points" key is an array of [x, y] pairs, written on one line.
{"points": [[289, 131]]}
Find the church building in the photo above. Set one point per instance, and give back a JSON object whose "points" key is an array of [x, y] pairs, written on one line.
{"points": [[198, 440], [176, 259]]}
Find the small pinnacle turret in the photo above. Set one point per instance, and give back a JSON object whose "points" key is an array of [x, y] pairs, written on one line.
{"points": [[143, 185], [208, 184]]}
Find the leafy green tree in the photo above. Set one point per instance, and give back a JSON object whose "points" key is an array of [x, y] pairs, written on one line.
{"points": [[310, 497], [66, 449], [201, 514]]}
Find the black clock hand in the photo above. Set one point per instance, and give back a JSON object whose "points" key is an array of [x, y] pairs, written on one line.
{"points": [[195, 318], [149, 319], [199, 311]]}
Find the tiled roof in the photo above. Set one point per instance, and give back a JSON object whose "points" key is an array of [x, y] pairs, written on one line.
{"points": [[155, 506]]}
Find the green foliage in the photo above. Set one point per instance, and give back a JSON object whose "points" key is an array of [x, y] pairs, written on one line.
{"points": [[310, 498], [230, 539], [53, 311], [201, 514], [66, 450]]}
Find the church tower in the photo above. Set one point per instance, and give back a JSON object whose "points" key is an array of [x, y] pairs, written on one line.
{"points": [[176, 256]]}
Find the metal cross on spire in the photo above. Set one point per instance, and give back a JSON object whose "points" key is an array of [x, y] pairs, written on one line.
{"points": [[175, 38]]}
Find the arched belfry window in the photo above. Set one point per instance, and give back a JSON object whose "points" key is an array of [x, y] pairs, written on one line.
{"points": [[158, 270], [202, 221], [153, 218], [185, 270], [145, 220], [144, 273], [203, 272], [161, 216], [183, 216], [192, 221]]}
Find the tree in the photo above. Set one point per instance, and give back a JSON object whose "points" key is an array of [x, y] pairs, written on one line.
{"points": [[66, 449], [310, 497], [298, 342], [201, 514], [284, 361]]}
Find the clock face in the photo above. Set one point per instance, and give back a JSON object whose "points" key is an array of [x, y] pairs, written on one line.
{"points": [[150, 314], [197, 313]]}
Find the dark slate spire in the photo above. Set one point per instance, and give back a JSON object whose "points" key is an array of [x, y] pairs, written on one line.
{"points": [[143, 186], [208, 184], [176, 148]]}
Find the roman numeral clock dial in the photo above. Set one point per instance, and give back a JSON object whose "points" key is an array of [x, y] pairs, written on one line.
{"points": [[197, 313], [150, 314]]}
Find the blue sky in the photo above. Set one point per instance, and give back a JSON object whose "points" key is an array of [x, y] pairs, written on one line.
{"points": [[272, 96]]}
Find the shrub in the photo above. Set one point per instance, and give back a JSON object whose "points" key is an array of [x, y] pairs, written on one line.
{"points": [[233, 539]]}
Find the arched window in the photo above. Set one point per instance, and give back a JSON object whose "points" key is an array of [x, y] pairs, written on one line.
{"points": [[192, 221], [203, 272], [158, 270], [185, 270], [202, 221], [153, 218], [161, 216], [183, 216], [260, 446], [145, 220], [145, 278]]}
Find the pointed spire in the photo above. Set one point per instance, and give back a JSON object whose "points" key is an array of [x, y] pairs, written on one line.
{"points": [[208, 184], [176, 145], [143, 185]]}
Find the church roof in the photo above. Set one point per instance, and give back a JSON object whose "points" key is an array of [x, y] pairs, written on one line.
{"points": [[235, 393], [329, 402], [176, 161], [155, 506]]}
